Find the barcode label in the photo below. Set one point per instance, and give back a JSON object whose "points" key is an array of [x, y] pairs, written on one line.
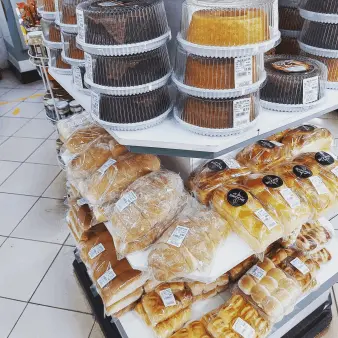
{"points": [[257, 272], [290, 197], [168, 297], [80, 24], [242, 112], [243, 328], [300, 266], [310, 89], [96, 250], [89, 66], [243, 71], [125, 200], [77, 77], [107, 277], [82, 201], [95, 103], [319, 185], [106, 166], [231, 163], [267, 220], [335, 171], [178, 236]]}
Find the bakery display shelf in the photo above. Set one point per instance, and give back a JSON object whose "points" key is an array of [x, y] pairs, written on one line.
{"points": [[168, 138]]}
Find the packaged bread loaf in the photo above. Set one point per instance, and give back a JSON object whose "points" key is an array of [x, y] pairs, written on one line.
{"points": [[247, 216], [278, 256], [209, 176], [282, 203], [145, 210], [308, 138], [263, 154], [195, 329], [66, 127], [240, 269], [109, 181], [190, 243], [154, 285], [198, 288]]}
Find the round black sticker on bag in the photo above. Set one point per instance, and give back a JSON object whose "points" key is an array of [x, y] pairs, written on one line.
{"points": [[217, 165], [272, 181], [237, 197], [306, 127], [324, 158], [302, 171], [266, 144]]}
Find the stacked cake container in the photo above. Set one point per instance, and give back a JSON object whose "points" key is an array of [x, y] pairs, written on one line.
{"points": [[127, 61], [219, 66]]}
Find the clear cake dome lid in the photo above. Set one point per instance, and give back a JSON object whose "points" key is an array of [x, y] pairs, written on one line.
{"points": [[320, 11], [289, 3]]}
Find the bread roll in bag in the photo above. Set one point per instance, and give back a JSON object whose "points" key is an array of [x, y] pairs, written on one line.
{"points": [[195, 329]]}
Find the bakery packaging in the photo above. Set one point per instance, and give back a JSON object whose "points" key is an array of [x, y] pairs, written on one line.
{"points": [[56, 61], [67, 11], [50, 30], [195, 329], [68, 126], [189, 245], [321, 11], [145, 210], [240, 269], [69, 46], [289, 17], [288, 46]]}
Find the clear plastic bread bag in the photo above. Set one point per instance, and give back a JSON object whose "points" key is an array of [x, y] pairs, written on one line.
{"points": [[240, 269], [284, 204], [145, 210], [190, 243], [247, 216], [210, 175], [194, 329]]}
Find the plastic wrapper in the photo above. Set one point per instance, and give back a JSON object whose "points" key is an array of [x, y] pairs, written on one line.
{"points": [[308, 138], [293, 83], [213, 174], [106, 184], [217, 117], [189, 245], [145, 210], [142, 72], [56, 61], [67, 11], [198, 288], [51, 31], [117, 25], [218, 77], [69, 46], [288, 46], [269, 288], [137, 111], [290, 19], [247, 216], [236, 318], [240, 269], [283, 204], [321, 257], [48, 5], [195, 329], [289, 3], [321, 11], [68, 126], [263, 154], [154, 285], [215, 28]]}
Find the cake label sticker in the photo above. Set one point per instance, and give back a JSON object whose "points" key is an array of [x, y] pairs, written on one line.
{"points": [[106, 278], [300, 266], [319, 185], [310, 89], [89, 66], [95, 103], [80, 24], [178, 236], [243, 71], [292, 66], [242, 112], [290, 197], [82, 201], [168, 297], [106, 166], [77, 77], [267, 220], [272, 181], [237, 197], [324, 158], [301, 171], [306, 127], [232, 163], [127, 199], [335, 171], [325, 223], [217, 165], [96, 250], [243, 328], [266, 144], [257, 272]]}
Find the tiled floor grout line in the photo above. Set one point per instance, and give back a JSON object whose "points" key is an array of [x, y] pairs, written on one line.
{"points": [[51, 198], [91, 331], [33, 240], [61, 308], [17, 320], [16, 300]]}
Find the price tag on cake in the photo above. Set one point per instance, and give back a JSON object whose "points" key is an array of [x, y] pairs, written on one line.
{"points": [[107, 277], [324, 222], [77, 77], [310, 89], [300, 266], [82, 201], [96, 250], [168, 297], [125, 200], [335, 171], [257, 272], [231, 163], [106, 166], [80, 25], [89, 66], [319, 185], [243, 328], [95, 103], [290, 197], [178, 236], [242, 112], [267, 220], [243, 71]]}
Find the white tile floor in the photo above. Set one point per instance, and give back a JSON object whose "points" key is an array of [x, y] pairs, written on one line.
{"points": [[39, 294]]}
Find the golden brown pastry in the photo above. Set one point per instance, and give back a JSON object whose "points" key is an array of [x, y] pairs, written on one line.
{"points": [[125, 310], [206, 295], [280, 254], [195, 329], [240, 269], [198, 288], [323, 256]]}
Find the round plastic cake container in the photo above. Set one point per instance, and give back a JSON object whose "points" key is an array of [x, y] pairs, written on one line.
{"points": [[56, 62], [51, 33], [69, 46], [320, 11]]}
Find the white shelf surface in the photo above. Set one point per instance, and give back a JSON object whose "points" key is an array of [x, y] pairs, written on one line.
{"points": [[170, 138]]}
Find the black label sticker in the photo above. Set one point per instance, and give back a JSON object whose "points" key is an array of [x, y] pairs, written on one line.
{"points": [[266, 144], [302, 171], [272, 181], [306, 127], [217, 165], [324, 158], [237, 197]]}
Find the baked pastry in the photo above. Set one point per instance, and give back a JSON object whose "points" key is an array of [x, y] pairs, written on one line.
{"points": [[247, 216], [308, 138], [278, 137], [263, 154], [69, 46], [228, 27], [67, 11], [189, 244], [130, 70], [195, 329], [288, 46], [125, 310], [240, 269], [323, 256], [198, 288], [145, 210], [279, 255], [282, 203], [121, 23], [51, 31], [107, 187], [56, 60], [134, 108], [211, 175], [290, 19]]}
